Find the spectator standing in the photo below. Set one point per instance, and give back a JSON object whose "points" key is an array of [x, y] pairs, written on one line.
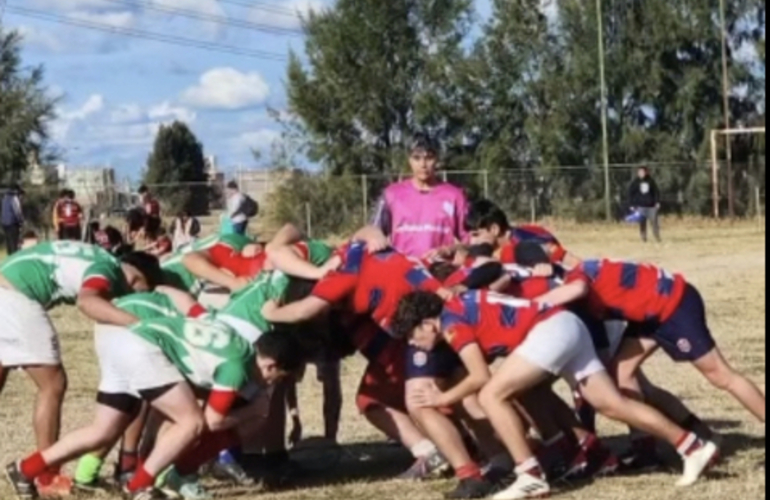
{"points": [[12, 218], [422, 214], [240, 208], [184, 230], [68, 217], [151, 208], [644, 197]]}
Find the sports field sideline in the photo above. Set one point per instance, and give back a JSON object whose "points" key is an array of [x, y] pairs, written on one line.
{"points": [[725, 261]]}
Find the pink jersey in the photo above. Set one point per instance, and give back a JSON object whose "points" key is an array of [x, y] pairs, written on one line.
{"points": [[420, 221]]}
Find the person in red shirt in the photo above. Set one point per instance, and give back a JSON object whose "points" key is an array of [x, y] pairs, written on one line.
{"points": [[69, 217], [487, 223], [663, 311], [151, 208], [537, 342]]}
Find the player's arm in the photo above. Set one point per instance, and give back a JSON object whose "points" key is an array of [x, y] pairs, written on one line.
{"points": [[200, 265], [217, 412], [478, 376], [296, 312], [94, 302], [290, 260], [183, 301], [373, 236], [574, 289]]}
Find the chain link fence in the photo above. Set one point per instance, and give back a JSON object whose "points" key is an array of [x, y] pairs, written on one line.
{"points": [[327, 205]]}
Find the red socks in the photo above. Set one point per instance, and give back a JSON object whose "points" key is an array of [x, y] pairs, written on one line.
{"points": [[33, 466], [142, 480], [470, 471]]}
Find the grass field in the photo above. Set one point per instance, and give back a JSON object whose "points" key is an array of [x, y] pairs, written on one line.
{"points": [[726, 262]]}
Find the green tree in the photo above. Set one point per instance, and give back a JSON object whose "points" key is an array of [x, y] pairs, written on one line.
{"points": [[26, 111], [377, 71], [176, 170]]}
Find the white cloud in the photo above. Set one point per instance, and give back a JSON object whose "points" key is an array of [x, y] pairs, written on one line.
{"points": [[165, 111], [93, 104], [127, 113], [121, 19], [259, 139], [289, 19], [227, 88], [97, 124], [39, 39], [70, 5]]}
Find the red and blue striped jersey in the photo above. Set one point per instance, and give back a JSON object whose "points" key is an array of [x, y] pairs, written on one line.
{"points": [[630, 291], [374, 284], [531, 233], [497, 323]]}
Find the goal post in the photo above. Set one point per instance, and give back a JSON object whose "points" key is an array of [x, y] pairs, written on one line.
{"points": [[715, 135]]}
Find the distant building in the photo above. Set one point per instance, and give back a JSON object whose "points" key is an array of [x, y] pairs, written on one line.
{"points": [[94, 187]]}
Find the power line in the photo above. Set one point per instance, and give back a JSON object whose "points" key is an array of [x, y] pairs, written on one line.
{"points": [[191, 14], [146, 35], [268, 7]]}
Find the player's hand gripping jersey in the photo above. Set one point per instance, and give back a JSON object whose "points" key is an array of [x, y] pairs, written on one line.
{"points": [[632, 292], [208, 353], [220, 248], [55, 273], [373, 284], [497, 323]]}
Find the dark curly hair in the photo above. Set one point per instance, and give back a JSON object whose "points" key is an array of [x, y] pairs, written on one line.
{"points": [[413, 310], [483, 214], [442, 270]]}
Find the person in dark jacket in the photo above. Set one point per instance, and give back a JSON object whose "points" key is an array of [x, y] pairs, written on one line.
{"points": [[12, 218], [644, 197]]}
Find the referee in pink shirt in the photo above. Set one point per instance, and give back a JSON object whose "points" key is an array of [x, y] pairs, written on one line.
{"points": [[422, 214]]}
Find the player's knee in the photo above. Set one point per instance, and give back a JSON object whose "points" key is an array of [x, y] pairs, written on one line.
{"points": [[488, 398], [194, 425], [473, 408], [56, 384], [722, 377]]}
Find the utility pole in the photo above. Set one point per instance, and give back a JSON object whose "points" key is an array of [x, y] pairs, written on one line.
{"points": [[726, 104], [605, 133]]}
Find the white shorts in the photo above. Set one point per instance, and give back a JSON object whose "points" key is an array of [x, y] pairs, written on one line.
{"points": [[130, 364], [562, 345], [27, 336]]}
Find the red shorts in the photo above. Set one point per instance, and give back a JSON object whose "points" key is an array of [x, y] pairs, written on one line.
{"points": [[382, 386]]}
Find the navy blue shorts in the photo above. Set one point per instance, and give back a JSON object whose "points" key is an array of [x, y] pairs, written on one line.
{"points": [[442, 362], [685, 336]]}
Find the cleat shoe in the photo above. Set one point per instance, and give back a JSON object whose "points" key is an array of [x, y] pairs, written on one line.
{"points": [[526, 486], [145, 494], [425, 467], [498, 476], [231, 472], [23, 487], [470, 488], [174, 485], [58, 486], [697, 462]]}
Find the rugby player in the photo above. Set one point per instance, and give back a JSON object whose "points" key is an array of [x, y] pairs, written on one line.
{"points": [[36, 280], [537, 342], [664, 311], [160, 361]]}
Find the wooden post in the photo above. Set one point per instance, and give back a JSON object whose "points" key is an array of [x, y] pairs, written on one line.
{"points": [[308, 220], [715, 173], [758, 196], [486, 184], [533, 208], [365, 197]]}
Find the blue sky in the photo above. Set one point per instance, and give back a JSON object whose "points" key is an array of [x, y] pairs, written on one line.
{"points": [[117, 90]]}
